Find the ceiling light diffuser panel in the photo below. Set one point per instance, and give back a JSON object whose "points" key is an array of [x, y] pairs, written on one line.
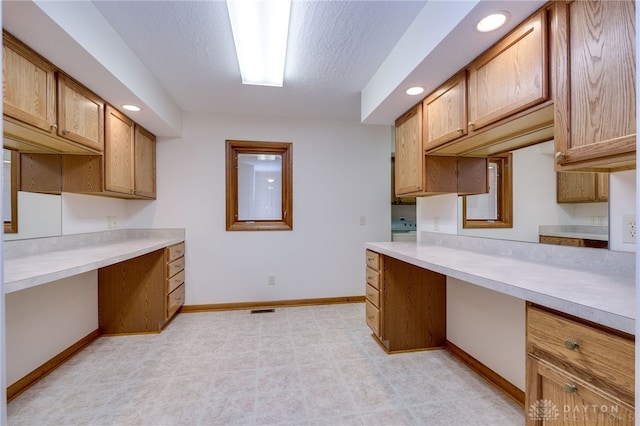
{"points": [[260, 31]]}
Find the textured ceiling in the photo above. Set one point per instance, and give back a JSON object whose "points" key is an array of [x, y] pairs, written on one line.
{"points": [[334, 49]]}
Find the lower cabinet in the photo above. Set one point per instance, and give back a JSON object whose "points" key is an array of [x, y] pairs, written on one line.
{"points": [[405, 304], [578, 373], [142, 294]]}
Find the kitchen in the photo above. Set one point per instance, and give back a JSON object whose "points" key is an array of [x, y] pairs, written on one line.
{"points": [[216, 259]]}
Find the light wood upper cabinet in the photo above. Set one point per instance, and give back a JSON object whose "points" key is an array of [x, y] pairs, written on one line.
{"points": [[29, 85], [80, 114], [409, 152], [445, 112], [145, 163], [417, 174], [582, 187], [595, 104], [511, 76], [118, 153]]}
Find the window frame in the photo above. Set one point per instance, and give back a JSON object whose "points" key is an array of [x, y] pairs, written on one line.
{"points": [[235, 147], [505, 197]]}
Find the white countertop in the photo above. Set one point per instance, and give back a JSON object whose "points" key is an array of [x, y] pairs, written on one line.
{"points": [[601, 297], [91, 252]]}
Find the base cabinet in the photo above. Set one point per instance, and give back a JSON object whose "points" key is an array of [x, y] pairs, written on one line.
{"points": [[577, 373], [410, 313], [142, 294]]}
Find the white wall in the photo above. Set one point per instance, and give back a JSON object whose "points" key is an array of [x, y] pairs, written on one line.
{"points": [[45, 320], [490, 326], [31, 222], [340, 172], [622, 201]]}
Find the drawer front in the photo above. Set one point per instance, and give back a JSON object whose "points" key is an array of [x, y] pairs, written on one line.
{"points": [[175, 300], [373, 260], [575, 346], [373, 318], [175, 281], [373, 296], [175, 252], [373, 278], [175, 266]]}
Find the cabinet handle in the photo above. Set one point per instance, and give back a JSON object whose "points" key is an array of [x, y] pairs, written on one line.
{"points": [[569, 388], [470, 124], [370, 317], [459, 130], [54, 127], [65, 131], [571, 345], [559, 156]]}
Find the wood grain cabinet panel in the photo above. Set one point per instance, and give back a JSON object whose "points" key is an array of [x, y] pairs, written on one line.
{"points": [[409, 155], [119, 152], [80, 114], [573, 364], [407, 310], [560, 398], [145, 163], [582, 187], [511, 76], [595, 79], [445, 112], [29, 85], [142, 294]]}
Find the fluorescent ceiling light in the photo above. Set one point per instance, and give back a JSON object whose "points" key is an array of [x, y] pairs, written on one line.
{"points": [[492, 22], [260, 29]]}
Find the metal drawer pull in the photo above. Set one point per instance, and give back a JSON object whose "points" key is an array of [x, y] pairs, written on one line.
{"points": [[571, 345], [569, 388]]}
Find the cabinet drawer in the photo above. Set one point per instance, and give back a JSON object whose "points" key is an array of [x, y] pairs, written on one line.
{"points": [[175, 300], [587, 351], [373, 260], [175, 252], [175, 281], [373, 278], [175, 266], [373, 296], [373, 318]]}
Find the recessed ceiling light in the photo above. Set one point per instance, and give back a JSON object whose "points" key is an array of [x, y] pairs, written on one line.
{"points": [[133, 108], [413, 91], [492, 22]]}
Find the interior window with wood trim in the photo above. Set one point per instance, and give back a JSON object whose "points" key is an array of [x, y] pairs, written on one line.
{"points": [[495, 208], [259, 186]]}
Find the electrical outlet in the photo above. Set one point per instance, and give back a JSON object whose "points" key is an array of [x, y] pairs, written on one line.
{"points": [[629, 229], [363, 220], [436, 223], [112, 222], [272, 280]]}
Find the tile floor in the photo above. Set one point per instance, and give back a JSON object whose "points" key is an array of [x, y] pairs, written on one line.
{"points": [[298, 366]]}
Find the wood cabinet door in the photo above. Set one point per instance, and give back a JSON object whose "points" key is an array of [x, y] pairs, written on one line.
{"points": [[29, 85], [576, 187], [118, 152], [145, 163], [511, 76], [595, 107], [602, 183], [559, 398], [80, 114], [409, 167], [445, 112]]}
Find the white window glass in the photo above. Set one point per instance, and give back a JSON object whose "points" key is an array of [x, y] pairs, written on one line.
{"points": [[485, 206], [259, 187]]}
